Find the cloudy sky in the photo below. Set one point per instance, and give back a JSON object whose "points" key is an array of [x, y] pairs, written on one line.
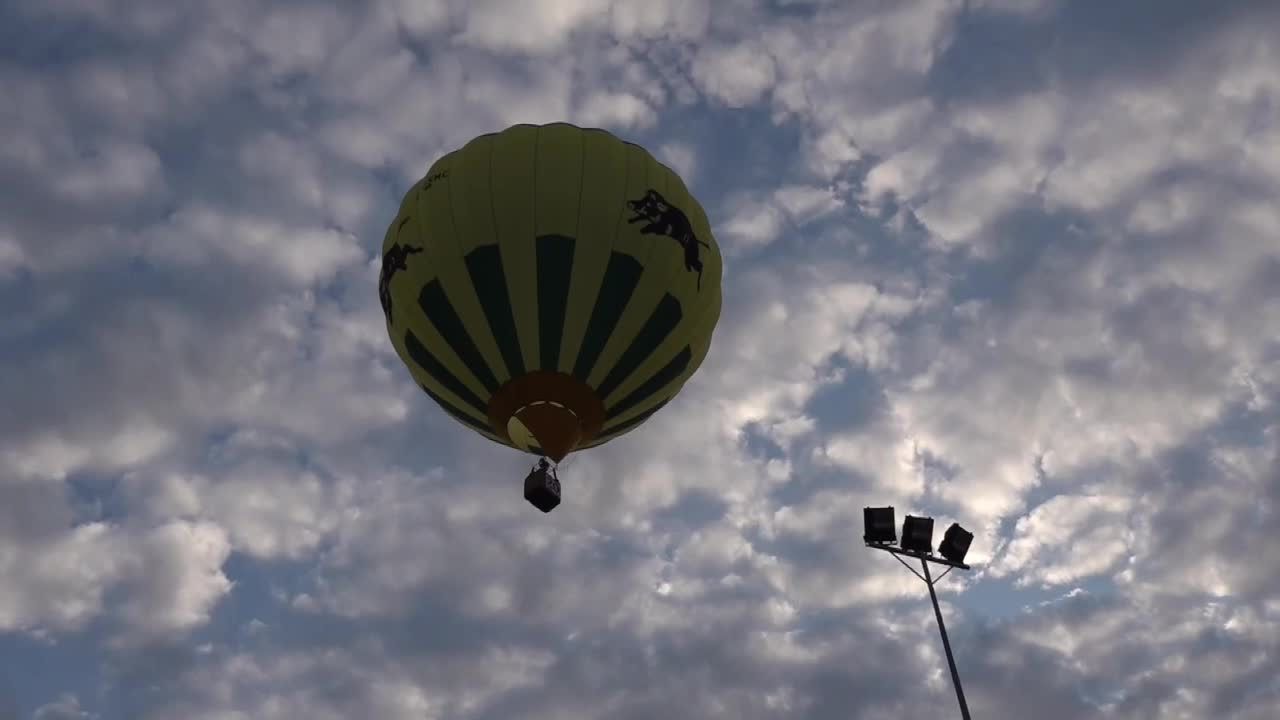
{"points": [[1012, 264]]}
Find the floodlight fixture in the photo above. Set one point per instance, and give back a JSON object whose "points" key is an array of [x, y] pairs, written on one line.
{"points": [[955, 543], [878, 525], [917, 534]]}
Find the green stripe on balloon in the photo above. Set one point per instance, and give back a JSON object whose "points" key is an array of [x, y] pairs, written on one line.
{"points": [[423, 358], [484, 265], [620, 280], [555, 264], [460, 415], [664, 319], [435, 304], [653, 385]]}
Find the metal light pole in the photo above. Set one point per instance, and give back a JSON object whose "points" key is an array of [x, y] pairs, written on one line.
{"points": [[926, 558], [946, 644]]}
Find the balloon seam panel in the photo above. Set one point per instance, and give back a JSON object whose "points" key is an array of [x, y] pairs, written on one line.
{"points": [[517, 367]]}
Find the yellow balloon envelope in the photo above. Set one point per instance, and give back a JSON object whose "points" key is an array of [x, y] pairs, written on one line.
{"points": [[551, 287]]}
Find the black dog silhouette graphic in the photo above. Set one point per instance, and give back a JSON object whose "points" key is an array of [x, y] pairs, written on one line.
{"points": [[669, 220], [395, 259]]}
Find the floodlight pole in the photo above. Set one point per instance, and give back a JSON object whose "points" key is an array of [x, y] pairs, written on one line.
{"points": [[946, 644], [925, 559]]}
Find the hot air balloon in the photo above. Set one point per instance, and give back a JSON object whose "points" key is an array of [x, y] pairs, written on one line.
{"points": [[551, 287]]}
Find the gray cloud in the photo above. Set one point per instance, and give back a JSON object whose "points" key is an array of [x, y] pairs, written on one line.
{"points": [[1010, 264]]}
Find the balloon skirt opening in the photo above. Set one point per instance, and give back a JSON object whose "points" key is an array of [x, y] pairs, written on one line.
{"points": [[560, 412]]}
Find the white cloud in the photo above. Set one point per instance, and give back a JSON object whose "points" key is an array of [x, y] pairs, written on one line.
{"points": [[737, 76], [644, 19], [56, 455], [831, 152], [1070, 299], [1067, 539], [66, 707], [884, 453], [528, 27], [421, 17], [682, 157], [300, 255], [114, 172], [805, 204], [616, 110], [268, 508], [755, 225], [298, 39], [1033, 8], [756, 220], [175, 577], [60, 584], [11, 255], [167, 578], [128, 94]]}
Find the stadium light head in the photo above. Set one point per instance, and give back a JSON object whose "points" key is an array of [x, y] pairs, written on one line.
{"points": [[878, 526], [917, 534], [955, 544]]}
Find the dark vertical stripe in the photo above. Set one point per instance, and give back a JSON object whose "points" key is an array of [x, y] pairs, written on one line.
{"points": [[653, 385], [452, 411], [533, 186], [438, 372], [435, 303], [620, 280], [666, 316], [632, 422], [555, 265], [485, 266]]}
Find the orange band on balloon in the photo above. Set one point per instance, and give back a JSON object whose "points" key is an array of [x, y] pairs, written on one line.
{"points": [[558, 429]]}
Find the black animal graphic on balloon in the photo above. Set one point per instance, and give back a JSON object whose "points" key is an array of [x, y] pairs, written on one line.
{"points": [[667, 219], [395, 259]]}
